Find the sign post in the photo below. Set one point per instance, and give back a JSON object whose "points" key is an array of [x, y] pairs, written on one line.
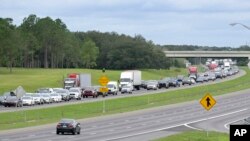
{"points": [[103, 81], [207, 102]]}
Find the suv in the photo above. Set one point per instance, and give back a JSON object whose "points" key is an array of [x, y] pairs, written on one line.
{"points": [[12, 100], [75, 93]]}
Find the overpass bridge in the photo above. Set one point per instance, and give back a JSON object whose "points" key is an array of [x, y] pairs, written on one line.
{"points": [[208, 54]]}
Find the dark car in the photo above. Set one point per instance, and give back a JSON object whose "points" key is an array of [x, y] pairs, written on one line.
{"points": [[164, 83], [68, 126], [174, 82], [89, 91]]}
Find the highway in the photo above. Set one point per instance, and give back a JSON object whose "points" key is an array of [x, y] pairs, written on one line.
{"points": [[135, 93], [147, 124]]}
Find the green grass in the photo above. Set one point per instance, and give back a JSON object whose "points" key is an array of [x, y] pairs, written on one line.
{"points": [[197, 136], [26, 118], [32, 79]]}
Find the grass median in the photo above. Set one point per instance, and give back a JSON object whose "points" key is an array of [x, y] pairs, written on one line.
{"points": [[34, 117], [197, 136], [32, 79]]}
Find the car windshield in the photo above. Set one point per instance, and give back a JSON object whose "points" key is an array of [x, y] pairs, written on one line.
{"points": [[110, 86], [43, 91], [73, 90], [66, 121], [36, 95], [54, 94], [69, 79], [125, 80], [45, 95], [62, 91], [27, 98]]}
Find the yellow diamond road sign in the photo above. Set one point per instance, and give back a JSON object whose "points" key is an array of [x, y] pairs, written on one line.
{"points": [[103, 80], [208, 101], [103, 89]]}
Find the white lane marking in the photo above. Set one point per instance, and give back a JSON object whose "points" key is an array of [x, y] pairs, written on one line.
{"points": [[193, 127], [227, 124], [128, 127], [92, 133], [177, 125]]}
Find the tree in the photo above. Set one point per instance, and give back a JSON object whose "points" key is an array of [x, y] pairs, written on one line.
{"points": [[89, 53], [9, 42]]}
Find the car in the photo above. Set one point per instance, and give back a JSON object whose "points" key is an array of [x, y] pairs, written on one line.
{"points": [[56, 97], [211, 76], [112, 87], [164, 83], [99, 93], [47, 98], [180, 78], [174, 82], [187, 80], [68, 126], [152, 85], [28, 100], [38, 99], [200, 79], [3, 98], [75, 93], [12, 100], [127, 89], [64, 94], [89, 91]]}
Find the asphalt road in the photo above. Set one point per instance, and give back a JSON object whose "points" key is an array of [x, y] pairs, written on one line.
{"points": [[147, 124], [135, 93]]}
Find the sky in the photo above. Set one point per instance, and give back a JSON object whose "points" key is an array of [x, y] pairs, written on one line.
{"points": [[165, 22]]}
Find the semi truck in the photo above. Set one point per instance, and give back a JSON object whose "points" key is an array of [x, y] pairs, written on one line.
{"points": [[131, 78], [193, 71], [77, 80]]}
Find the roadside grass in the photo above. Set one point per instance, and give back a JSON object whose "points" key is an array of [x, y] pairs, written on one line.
{"points": [[196, 136], [32, 79], [18, 119]]}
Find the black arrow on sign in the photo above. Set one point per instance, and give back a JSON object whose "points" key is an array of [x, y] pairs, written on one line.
{"points": [[208, 102]]}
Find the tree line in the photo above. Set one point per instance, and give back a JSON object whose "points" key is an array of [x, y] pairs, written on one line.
{"points": [[47, 43]]}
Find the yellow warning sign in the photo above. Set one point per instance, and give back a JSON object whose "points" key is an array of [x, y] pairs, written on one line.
{"points": [[207, 101], [103, 80], [104, 89]]}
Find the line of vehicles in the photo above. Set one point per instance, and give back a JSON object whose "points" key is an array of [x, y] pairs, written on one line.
{"points": [[78, 86]]}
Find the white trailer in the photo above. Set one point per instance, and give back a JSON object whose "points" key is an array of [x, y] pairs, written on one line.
{"points": [[85, 80]]}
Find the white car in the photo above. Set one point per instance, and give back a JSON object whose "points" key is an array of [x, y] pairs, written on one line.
{"points": [[38, 99], [127, 89], [56, 97], [28, 100], [47, 98], [75, 93]]}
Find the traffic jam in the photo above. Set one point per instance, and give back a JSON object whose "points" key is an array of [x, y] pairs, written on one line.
{"points": [[77, 86]]}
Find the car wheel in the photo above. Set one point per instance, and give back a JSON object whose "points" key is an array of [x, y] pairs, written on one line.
{"points": [[79, 132], [74, 132]]}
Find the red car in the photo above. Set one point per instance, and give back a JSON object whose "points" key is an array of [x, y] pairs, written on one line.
{"points": [[89, 91]]}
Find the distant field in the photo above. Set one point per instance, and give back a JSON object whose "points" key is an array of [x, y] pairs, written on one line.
{"points": [[197, 136], [32, 79]]}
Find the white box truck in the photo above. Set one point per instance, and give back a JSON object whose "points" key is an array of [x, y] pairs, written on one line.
{"points": [[130, 77]]}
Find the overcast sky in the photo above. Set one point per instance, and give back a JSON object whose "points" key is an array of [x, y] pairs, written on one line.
{"points": [[178, 22]]}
